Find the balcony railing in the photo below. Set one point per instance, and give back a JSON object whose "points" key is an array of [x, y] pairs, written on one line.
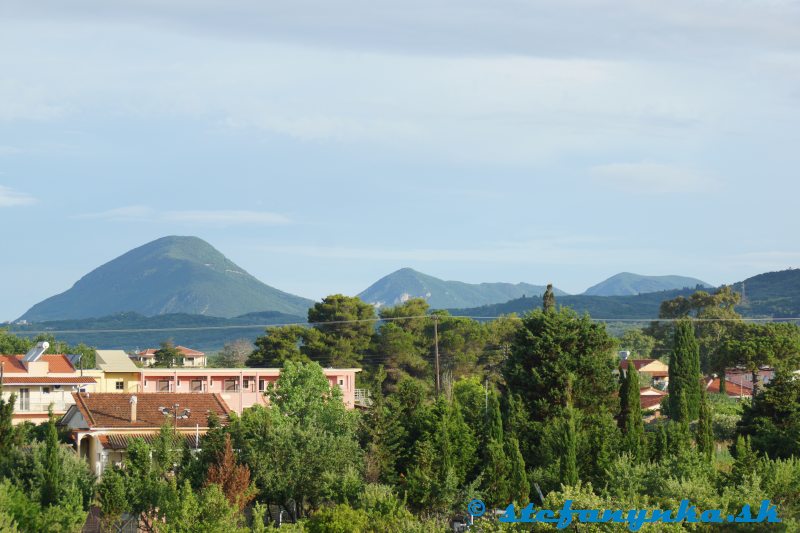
{"points": [[40, 406], [362, 397]]}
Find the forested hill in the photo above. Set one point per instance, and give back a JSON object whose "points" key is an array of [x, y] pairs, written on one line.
{"points": [[407, 283], [638, 306], [628, 284], [774, 294], [129, 331], [169, 275]]}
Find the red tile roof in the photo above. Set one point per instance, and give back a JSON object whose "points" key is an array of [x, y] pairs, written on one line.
{"points": [[58, 363], [113, 410], [14, 380], [188, 352], [120, 441], [731, 388], [648, 402]]}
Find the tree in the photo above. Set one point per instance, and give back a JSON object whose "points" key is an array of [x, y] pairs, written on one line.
{"points": [[234, 354], [346, 324], [6, 425], [704, 434], [549, 299], [233, 478], [167, 356], [112, 497], [755, 345], [551, 347], [684, 372], [281, 344], [401, 351], [53, 473], [568, 464], [302, 447], [637, 342], [772, 421], [630, 416]]}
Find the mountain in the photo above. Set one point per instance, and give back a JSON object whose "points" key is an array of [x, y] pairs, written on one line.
{"points": [[168, 275], [626, 284], [773, 294], [408, 283]]}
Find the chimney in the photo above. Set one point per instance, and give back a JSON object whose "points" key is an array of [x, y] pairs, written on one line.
{"points": [[134, 400]]}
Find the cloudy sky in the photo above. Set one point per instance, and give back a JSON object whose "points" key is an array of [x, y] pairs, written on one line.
{"points": [[321, 145]]}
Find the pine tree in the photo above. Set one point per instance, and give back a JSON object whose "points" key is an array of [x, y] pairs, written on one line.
{"points": [[630, 418], [704, 436], [684, 372]]}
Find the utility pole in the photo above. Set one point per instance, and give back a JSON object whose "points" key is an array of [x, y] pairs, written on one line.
{"points": [[436, 352]]}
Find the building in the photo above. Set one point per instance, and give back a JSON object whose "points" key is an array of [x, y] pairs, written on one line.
{"points": [[191, 358], [657, 371], [115, 372], [102, 424], [40, 381], [732, 388], [239, 387]]}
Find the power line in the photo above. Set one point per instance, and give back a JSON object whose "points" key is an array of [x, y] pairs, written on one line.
{"points": [[387, 319]]}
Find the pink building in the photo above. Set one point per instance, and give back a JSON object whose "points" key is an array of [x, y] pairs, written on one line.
{"points": [[239, 387]]}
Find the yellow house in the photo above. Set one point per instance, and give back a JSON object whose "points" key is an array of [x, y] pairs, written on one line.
{"points": [[115, 372]]}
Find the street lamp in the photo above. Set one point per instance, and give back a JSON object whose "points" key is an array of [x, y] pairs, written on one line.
{"points": [[174, 410]]}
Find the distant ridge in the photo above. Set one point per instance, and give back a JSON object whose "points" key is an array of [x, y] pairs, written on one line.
{"points": [[408, 283], [628, 284], [169, 275], [772, 294]]}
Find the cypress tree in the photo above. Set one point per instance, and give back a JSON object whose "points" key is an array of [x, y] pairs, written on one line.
{"points": [[704, 436], [660, 444], [519, 486], [630, 419], [568, 467], [53, 472], [6, 424], [684, 372], [549, 299]]}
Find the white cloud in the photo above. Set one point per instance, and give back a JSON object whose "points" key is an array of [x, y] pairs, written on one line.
{"points": [[140, 213], [651, 178], [11, 198], [9, 150]]}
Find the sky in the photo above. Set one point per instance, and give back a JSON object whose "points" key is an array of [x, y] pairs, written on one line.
{"points": [[322, 145]]}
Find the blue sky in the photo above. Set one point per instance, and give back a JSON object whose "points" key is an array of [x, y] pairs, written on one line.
{"points": [[322, 145]]}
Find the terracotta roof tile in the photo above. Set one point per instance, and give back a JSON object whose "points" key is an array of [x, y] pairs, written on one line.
{"points": [[731, 388], [648, 402], [151, 352], [12, 380], [112, 410], [58, 364]]}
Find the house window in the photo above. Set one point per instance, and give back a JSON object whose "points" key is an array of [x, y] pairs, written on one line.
{"points": [[231, 385], [262, 385], [45, 390], [163, 385], [190, 361], [119, 385], [245, 384], [341, 382], [197, 385]]}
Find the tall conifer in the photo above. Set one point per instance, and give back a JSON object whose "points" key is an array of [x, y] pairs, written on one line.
{"points": [[684, 372], [630, 420]]}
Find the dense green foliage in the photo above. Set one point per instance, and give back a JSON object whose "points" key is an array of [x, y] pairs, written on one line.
{"points": [[526, 405], [684, 373]]}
